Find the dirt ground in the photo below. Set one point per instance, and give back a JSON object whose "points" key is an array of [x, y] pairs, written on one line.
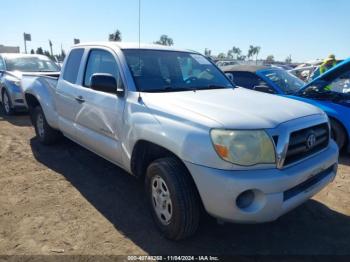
{"points": [[66, 200]]}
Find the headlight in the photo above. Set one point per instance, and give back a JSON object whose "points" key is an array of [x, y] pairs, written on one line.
{"points": [[244, 147]]}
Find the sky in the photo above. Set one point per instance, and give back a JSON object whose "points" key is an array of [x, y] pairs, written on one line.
{"points": [[304, 29]]}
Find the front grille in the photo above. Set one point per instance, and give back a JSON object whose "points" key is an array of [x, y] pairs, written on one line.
{"points": [[307, 184], [306, 142]]}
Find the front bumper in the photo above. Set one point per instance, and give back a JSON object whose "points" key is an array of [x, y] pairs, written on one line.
{"points": [[18, 99], [276, 191]]}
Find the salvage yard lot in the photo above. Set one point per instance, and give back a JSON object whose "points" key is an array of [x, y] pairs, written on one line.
{"points": [[64, 199]]}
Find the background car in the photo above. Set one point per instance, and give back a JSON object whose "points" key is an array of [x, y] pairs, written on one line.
{"points": [[330, 91], [12, 68]]}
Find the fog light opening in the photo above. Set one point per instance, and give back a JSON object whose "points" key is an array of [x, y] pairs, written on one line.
{"points": [[245, 199]]}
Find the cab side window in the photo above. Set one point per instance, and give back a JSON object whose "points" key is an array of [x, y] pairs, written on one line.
{"points": [[101, 61], [72, 66]]}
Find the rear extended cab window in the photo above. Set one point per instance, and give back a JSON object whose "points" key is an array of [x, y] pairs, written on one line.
{"points": [[2, 64], [71, 68]]}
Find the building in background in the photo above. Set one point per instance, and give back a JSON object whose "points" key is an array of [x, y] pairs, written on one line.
{"points": [[9, 49]]}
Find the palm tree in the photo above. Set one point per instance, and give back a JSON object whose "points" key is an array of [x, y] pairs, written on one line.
{"points": [[251, 51], [254, 50], [237, 51]]}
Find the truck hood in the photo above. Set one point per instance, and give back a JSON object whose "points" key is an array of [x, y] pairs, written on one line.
{"points": [[237, 108]]}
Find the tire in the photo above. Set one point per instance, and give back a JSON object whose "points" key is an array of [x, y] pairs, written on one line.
{"points": [[184, 199], [338, 134], [45, 133], [7, 104]]}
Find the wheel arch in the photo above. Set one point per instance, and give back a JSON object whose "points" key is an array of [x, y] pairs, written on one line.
{"points": [[145, 152], [344, 128], [32, 102]]}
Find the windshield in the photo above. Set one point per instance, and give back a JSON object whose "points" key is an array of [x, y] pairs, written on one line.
{"points": [[339, 85], [287, 82], [169, 71], [31, 64]]}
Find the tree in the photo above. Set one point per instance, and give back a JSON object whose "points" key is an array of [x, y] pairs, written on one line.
{"points": [[221, 56], [207, 52], [32, 51], [241, 57], [230, 54], [40, 51], [236, 51], [289, 59], [116, 36], [48, 54], [253, 50], [165, 40], [257, 51], [250, 51], [270, 59], [62, 56]]}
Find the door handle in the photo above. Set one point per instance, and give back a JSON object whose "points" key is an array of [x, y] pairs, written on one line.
{"points": [[80, 99]]}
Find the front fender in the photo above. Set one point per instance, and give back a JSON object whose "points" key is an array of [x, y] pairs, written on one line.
{"points": [[188, 140], [43, 89]]}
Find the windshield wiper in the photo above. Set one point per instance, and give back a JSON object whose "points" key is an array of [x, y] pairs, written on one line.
{"points": [[214, 87], [169, 89]]}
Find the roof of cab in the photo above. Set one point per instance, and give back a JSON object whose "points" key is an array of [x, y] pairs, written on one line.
{"points": [[244, 68], [131, 45]]}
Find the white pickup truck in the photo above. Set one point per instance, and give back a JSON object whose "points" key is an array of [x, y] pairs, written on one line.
{"points": [[173, 119]]}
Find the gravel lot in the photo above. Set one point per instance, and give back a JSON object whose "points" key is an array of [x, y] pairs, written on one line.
{"points": [[66, 200]]}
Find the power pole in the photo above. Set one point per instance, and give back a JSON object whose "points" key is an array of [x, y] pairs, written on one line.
{"points": [[25, 42], [50, 43]]}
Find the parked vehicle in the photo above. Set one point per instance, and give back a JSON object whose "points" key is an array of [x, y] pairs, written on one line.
{"points": [[335, 100], [304, 73], [171, 118], [12, 68], [222, 63]]}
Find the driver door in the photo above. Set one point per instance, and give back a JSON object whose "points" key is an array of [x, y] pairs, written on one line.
{"points": [[100, 117]]}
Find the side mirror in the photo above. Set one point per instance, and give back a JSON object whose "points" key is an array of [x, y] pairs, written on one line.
{"points": [[264, 88], [106, 83], [229, 76]]}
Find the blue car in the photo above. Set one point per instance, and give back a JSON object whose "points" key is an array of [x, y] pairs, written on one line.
{"points": [[330, 91]]}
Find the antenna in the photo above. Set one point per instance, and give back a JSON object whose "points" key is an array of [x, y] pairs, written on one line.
{"points": [[139, 98], [139, 24]]}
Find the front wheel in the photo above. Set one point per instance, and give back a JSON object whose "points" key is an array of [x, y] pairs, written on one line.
{"points": [[173, 198], [6, 103], [46, 134]]}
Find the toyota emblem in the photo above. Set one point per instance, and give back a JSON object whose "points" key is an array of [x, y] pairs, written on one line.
{"points": [[311, 141]]}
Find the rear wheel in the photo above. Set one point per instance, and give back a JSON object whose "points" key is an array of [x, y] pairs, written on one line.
{"points": [[173, 198], [338, 134], [46, 134], [6, 103]]}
